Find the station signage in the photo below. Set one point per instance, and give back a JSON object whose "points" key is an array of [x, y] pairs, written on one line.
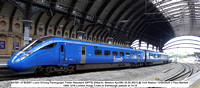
{"points": [[2, 44], [28, 38]]}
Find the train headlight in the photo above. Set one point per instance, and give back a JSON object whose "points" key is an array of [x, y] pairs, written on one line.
{"points": [[23, 57]]}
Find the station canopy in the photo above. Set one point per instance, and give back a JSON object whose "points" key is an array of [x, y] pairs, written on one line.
{"points": [[122, 20], [183, 45], [183, 15]]}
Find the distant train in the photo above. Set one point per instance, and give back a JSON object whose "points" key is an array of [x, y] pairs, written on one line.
{"points": [[51, 54]]}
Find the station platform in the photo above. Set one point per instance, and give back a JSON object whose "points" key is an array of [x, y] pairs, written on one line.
{"points": [[4, 59], [196, 84], [3, 66], [3, 62], [194, 80], [5, 56]]}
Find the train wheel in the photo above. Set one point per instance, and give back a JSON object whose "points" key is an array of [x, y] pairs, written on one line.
{"points": [[48, 71], [37, 71], [149, 64], [71, 69], [137, 65], [132, 65], [65, 70], [145, 64], [141, 64]]}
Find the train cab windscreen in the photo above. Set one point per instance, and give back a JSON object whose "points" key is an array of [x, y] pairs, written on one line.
{"points": [[30, 45], [34, 43]]}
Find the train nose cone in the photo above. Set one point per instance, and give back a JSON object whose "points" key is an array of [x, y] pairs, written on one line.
{"points": [[14, 66]]}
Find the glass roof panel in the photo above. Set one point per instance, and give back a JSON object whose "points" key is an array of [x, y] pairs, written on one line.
{"points": [[179, 10]]}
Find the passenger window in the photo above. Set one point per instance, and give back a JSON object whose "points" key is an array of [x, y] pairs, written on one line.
{"points": [[106, 52], [98, 52], [127, 54], [132, 54], [49, 46], [151, 56], [115, 53], [154, 56], [158, 56], [62, 48], [83, 50], [121, 53]]}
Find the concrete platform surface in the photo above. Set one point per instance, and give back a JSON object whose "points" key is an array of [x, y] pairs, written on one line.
{"points": [[3, 66], [196, 84], [3, 60], [5, 56], [194, 80]]}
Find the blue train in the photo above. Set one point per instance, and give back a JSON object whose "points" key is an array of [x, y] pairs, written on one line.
{"points": [[51, 54]]}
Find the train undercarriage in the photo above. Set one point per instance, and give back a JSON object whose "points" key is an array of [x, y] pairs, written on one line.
{"points": [[49, 70]]}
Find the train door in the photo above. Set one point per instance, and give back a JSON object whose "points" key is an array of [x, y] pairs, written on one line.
{"points": [[83, 54], [145, 56], [62, 53]]}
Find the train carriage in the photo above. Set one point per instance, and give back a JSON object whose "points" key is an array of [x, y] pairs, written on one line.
{"points": [[54, 54], [156, 58]]}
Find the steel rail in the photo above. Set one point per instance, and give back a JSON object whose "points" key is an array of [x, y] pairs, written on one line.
{"points": [[198, 66], [190, 70], [176, 75], [181, 73]]}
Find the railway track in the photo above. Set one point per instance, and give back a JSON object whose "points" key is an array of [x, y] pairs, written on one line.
{"points": [[8, 74], [14, 76], [167, 70], [190, 72], [198, 66], [5, 72], [185, 72]]}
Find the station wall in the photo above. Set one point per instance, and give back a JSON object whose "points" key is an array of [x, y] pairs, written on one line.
{"points": [[7, 37], [7, 44]]}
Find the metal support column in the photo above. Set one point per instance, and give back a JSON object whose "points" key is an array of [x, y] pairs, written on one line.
{"points": [[152, 47], [27, 24], [110, 40], [157, 49], [128, 43], [160, 49], [80, 34], [139, 43], [14, 45]]}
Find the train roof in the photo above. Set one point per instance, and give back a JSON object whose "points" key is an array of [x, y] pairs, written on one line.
{"points": [[47, 37], [159, 53], [90, 43]]}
